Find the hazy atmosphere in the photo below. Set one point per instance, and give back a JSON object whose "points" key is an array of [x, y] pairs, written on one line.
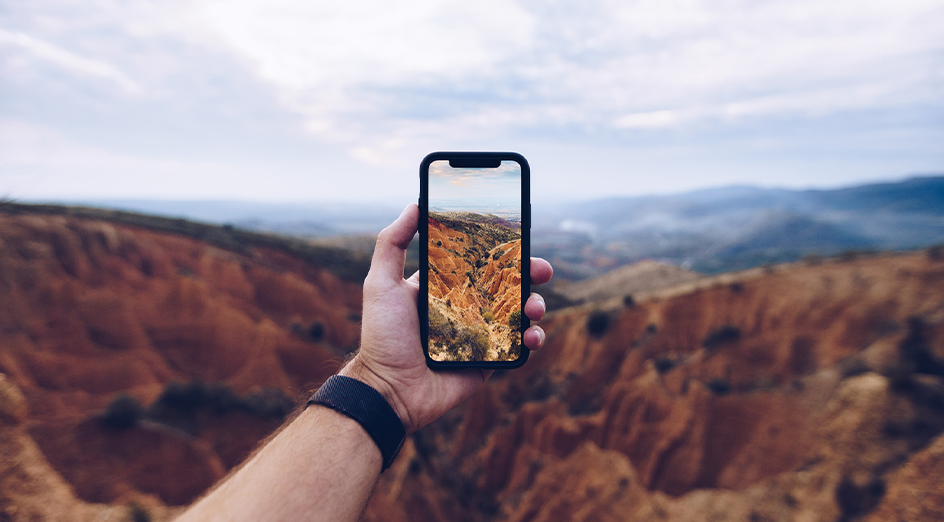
{"points": [[742, 203], [287, 100]]}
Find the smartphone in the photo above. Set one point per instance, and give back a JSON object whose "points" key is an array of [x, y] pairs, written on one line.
{"points": [[475, 222]]}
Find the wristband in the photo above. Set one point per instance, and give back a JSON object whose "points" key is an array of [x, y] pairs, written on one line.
{"points": [[369, 408]]}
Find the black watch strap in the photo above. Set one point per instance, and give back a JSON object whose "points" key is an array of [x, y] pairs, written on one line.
{"points": [[369, 408]]}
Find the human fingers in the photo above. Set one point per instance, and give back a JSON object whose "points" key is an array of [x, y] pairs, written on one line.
{"points": [[414, 280], [390, 251], [541, 271], [534, 308], [534, 337]]}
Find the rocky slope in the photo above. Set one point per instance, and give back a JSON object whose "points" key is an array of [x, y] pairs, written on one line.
{"points": [[151, 362], [812, 391], [805, 392], [474, 273]]}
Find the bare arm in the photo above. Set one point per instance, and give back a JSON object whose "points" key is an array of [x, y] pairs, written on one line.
{"points": [[323, 465]]}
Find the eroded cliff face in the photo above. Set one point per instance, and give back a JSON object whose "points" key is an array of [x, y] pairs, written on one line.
{"points": [[474, 273], [91, 310], [807, 392], [804, 392]]}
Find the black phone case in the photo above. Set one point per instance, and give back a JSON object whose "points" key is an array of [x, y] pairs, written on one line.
{"points": [[473, 159]]}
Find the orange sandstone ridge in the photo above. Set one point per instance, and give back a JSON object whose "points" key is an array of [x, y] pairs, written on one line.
{"points": [[90, 310], [803, 392]]}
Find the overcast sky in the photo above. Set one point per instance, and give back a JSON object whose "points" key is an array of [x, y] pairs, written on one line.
{"points": [[309, 100]]}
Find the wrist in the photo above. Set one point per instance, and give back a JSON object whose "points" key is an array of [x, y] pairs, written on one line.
{"points": [[357, 369], [364, 404]]}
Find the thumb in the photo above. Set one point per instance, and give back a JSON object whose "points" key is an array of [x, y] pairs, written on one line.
{"points": [[390, 251]]}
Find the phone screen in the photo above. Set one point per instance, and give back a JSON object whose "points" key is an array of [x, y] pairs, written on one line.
{"points": [[475, 256]]}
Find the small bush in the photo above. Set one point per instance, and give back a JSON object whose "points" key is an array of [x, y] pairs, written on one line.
{"points": [[138, 513], [628, 301], [496, 255], [663, 364], [488, 316], [598, 323], [439, 243], [718, 386], [439, 326], [268, 402], [721, 336], [514, 320], [473, 341], [855, 500], [122, 413], [182, 398], [316, 331], [220, 399], [736, 288], [651, 328]]}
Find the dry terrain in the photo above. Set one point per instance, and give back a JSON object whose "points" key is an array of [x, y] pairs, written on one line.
{"points": [[474, 276], [140, 365]]}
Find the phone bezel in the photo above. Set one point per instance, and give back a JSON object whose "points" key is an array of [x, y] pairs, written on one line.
{"points": [[422, 301]]}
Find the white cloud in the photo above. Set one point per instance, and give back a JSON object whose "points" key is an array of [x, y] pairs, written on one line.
{"points": [[377, 77], [68, 60], [385, 83]]}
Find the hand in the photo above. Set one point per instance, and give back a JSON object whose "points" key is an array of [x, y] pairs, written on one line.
{"points": [[391, 357]]}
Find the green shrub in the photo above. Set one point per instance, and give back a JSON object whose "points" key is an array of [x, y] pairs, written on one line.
{"points": [[721, 336], [663, 364], [439, 326], [496, 255], [598, 323], [514, 320], [472, 341], [268, 402], [488, 316], [718, 386], [122, 413], [138, 513]]}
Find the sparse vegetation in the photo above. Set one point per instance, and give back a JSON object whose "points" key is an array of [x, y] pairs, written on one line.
{"points": [[663, 364], [123, 413], [181, 405], [488, 316], [439, 326], [472, 341], [598, 323], [718, 386], [724, 335], [496, 256], [138, 513], [628, 301], [514, 320]]}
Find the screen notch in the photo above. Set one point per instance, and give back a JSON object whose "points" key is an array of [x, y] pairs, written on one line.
{"points": [[475, 162]]}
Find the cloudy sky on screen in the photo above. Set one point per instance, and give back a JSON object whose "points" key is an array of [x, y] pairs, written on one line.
{"points": [[313, 100]]}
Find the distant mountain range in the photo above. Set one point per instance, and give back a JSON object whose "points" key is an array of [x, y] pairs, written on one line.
{"points": [[725, 229], [709, 231]]}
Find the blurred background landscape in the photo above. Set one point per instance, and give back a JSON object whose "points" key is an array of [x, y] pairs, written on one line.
{"points": [[743, 203]]}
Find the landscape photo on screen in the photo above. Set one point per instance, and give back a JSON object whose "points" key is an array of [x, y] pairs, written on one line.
{"points": [[474, 262]]}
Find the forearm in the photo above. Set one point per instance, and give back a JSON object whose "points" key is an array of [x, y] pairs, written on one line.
{"points": [[323, 466]]}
